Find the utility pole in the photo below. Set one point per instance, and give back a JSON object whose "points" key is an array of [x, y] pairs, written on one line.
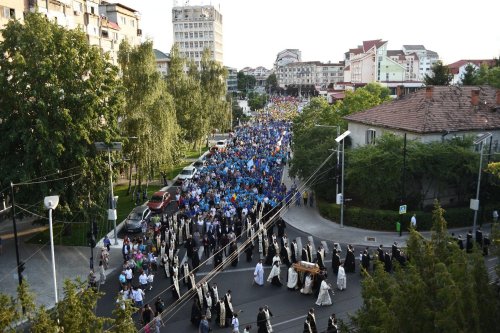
{"points": [[20, 267]]}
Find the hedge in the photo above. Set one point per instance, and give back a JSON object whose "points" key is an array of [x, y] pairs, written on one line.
{"points": [[385, 220]]}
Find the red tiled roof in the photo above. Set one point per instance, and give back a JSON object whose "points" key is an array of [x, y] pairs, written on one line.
{"points": [[368, 44], [110, 24], [449, 109], [455, 67]]}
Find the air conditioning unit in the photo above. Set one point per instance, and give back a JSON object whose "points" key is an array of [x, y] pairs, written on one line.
{"points": [[77, 13]]}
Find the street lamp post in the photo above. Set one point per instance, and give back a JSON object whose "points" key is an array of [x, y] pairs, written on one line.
{"points": [[113, 146], [338, 139], [338, 155], [474, 203], [51, 203]]}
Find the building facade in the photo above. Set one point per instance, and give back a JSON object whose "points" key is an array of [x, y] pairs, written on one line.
{"points": [[427, 59], [162, 62], [104, 24], [232, 79], [260, 73], [196, 28], [314, 73]]}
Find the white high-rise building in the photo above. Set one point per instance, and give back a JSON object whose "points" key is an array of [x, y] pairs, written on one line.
{"points": [[196, 28]]}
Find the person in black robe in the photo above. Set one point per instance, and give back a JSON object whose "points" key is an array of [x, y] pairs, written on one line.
{"points": [[394, 250], [335, 262], [281, 225], [218, 259], [284, 255], [380, 252], [312, 320], [332, 324], [271, 252], [249, 251], [460, 242], [468, 242], [196, 312], [304, 255], [319, 259], [261, 321], [293, 250], [479, 237], [195, 260], [228, 304], [189, 245], [365, 260], [387, 263], [233, 252], [309, 252], [350, 261]]}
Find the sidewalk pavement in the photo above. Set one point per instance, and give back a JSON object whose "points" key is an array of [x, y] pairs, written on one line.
{"points": [[308, 220]]}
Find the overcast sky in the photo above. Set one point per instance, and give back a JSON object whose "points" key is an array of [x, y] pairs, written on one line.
{"points": [[256, 30]]}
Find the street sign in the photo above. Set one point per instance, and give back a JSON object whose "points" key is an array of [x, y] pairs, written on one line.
{"points": [[474, 204], [402, 209]]}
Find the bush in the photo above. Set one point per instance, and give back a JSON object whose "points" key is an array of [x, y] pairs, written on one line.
{"points": [[385, 220]]}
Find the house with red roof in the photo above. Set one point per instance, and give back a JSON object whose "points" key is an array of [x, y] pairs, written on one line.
{"points": [[457, 69], [433, 113]]}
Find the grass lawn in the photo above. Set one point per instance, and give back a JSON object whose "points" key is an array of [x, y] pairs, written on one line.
{"points": [[76, 235], [195, 153]]}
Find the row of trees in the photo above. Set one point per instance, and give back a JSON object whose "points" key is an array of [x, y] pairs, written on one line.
{"points": [[441, 289], [58, 96], [473, 76]]}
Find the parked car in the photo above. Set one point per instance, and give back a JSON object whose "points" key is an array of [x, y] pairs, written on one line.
{"points": [[159, 201], [136, 217], [187, 173], [221, 145], [199, 164]]}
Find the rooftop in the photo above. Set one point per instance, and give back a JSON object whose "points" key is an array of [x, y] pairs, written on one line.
{"points": [[436, 110]]}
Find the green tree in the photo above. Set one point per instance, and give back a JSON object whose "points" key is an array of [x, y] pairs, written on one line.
{"points": [[217, 109], [441, 289], [272, 83], [469, 78], [489, 76], [440, 76], [149, 113], [58, 95]]}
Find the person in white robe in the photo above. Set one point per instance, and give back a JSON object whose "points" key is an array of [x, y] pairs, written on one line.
{"points": [[292, 278], [258, 274], [268, 314], [324, 294], [274, 276], [341, 278], [307, 289]]}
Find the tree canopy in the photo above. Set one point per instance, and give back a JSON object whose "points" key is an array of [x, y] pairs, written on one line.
{"points": [[311, 144], [58, 96], [440, 76], [440, 289], [149, 113]]}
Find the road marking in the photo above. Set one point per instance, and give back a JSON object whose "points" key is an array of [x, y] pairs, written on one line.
{"points": [[491, 259], [289, 320], [25, 232], [299, 247], [313, 248], [325, 246]]}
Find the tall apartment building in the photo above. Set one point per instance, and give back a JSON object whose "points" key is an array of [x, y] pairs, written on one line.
{"points": [[287, 56], [162, 62], [105, 24], [260, 73], [196, 28], [427, 58]]}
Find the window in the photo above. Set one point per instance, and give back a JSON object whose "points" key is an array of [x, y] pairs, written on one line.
{"points": [[122, 19], [370, 136], [190, 35], [132, 22], [185, 25], [195, 34], [495, 145], [92, 10], [186, 35], [8, 12], [190, 25], [201, 34]]}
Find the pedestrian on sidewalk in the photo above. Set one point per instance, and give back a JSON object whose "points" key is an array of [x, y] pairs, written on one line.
{"points": [[305, 196], [102, 273], [311, 199], [107, 242], [297, 198], [398, 228], [413, 221]]}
